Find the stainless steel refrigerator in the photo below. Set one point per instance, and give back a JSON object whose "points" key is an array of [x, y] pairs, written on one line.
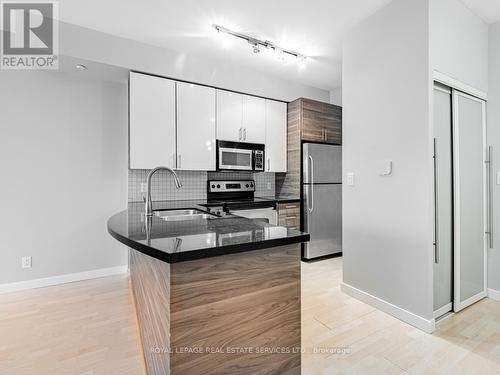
{"points": [[322, 191]]}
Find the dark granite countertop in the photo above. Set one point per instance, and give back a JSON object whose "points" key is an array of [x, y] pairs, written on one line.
{"points": [[283, 198], [177, 241]]}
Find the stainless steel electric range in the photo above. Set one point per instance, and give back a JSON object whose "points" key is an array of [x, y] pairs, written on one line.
{"points": [[238, 198]]}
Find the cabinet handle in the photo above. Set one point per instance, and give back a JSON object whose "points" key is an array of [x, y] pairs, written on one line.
{"points": [[244, 134], [179, 161], [174, 159], [326, 135], [268, 164], [291, 207], [290, 217], [239, 136]]}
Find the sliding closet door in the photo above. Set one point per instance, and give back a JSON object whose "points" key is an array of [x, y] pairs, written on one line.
{"points": [[443, 200], [470, 198]]}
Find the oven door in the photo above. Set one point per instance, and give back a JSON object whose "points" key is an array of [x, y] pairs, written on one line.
{"points": [[268, 215], [235, 159]]}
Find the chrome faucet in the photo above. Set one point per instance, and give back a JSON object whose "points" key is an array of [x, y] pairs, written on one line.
{"points": [[149, 203]]}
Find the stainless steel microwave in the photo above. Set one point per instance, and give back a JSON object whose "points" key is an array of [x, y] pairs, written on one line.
{"points": [[236, 156]]}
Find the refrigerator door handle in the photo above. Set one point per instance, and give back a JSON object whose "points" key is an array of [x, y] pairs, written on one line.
{"points": [[311, 207]]}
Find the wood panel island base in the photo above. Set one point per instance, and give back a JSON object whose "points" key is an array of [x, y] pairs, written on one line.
{"points": [[230, 314], [213, 294]]}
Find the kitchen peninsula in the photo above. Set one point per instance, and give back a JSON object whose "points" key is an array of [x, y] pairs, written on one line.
{"points": [[213, 295]]}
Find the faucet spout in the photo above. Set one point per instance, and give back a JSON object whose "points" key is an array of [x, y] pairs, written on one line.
{"points": [[149, 203]]}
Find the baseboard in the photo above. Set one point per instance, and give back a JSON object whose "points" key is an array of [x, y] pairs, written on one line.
{"points": [[494, 294], [61, 279], [402, 314]]}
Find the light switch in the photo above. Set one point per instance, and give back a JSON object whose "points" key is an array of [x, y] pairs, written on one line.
{"points": [[350, 179], [498, 178]]}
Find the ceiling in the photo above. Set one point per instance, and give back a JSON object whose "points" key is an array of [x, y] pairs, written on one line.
{"points": [[488, 10], [315, 28]]}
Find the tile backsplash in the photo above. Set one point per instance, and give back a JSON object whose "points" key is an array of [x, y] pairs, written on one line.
{"points": [[194, 184]]}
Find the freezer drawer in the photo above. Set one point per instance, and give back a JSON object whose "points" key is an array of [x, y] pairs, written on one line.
{"points": [[323, 219], [322, 163]]}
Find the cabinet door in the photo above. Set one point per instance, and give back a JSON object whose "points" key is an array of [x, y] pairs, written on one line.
{"points": [[276, 137], [195, 127], [254, 119], [333, 124], [152, 121], [289, 215], [321, 122], [312, 121], [229, 116]]}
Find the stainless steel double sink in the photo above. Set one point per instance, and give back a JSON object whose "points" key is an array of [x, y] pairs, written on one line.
{"points": [[182, 215]]}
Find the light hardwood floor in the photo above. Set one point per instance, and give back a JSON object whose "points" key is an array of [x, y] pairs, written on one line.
{"points": [[465, 343], [89, 328]]}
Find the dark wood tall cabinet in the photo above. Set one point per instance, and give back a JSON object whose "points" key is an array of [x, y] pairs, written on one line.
{"points": [[308, 121]]}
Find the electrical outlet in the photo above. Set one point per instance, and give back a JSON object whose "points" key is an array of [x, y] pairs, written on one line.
{"points": [[350, 179], [144, 187], [26, 262], [268, 186]]}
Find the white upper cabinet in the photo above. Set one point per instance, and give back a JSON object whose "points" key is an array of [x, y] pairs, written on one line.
{"points": [[152, 121], [195, 127], [276, 136], [229, 116], [254, 119], [240, 118], [176, 124]]}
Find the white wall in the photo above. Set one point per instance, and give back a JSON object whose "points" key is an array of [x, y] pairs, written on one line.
{"points": [[63, 157], [459, 43], [336, 96], [93, 45], [387, 221], [494, 140]]}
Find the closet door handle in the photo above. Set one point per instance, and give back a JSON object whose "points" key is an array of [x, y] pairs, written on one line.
{"points": [[436, 203], [489, 164]]}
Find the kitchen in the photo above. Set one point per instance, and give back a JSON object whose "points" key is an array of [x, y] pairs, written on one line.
{"points": [[234, 191]]}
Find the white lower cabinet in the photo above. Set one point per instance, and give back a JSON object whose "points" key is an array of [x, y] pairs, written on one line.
{"points": [[195, 127], [276, 136], [152, 121]]}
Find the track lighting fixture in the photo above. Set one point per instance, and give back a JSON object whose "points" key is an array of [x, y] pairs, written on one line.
{"points": [[281, 53]]}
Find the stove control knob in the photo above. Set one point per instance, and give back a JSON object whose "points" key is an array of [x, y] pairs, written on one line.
{"points": [[247, 185], [213, 186], [218, 186], [251, 185]]}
